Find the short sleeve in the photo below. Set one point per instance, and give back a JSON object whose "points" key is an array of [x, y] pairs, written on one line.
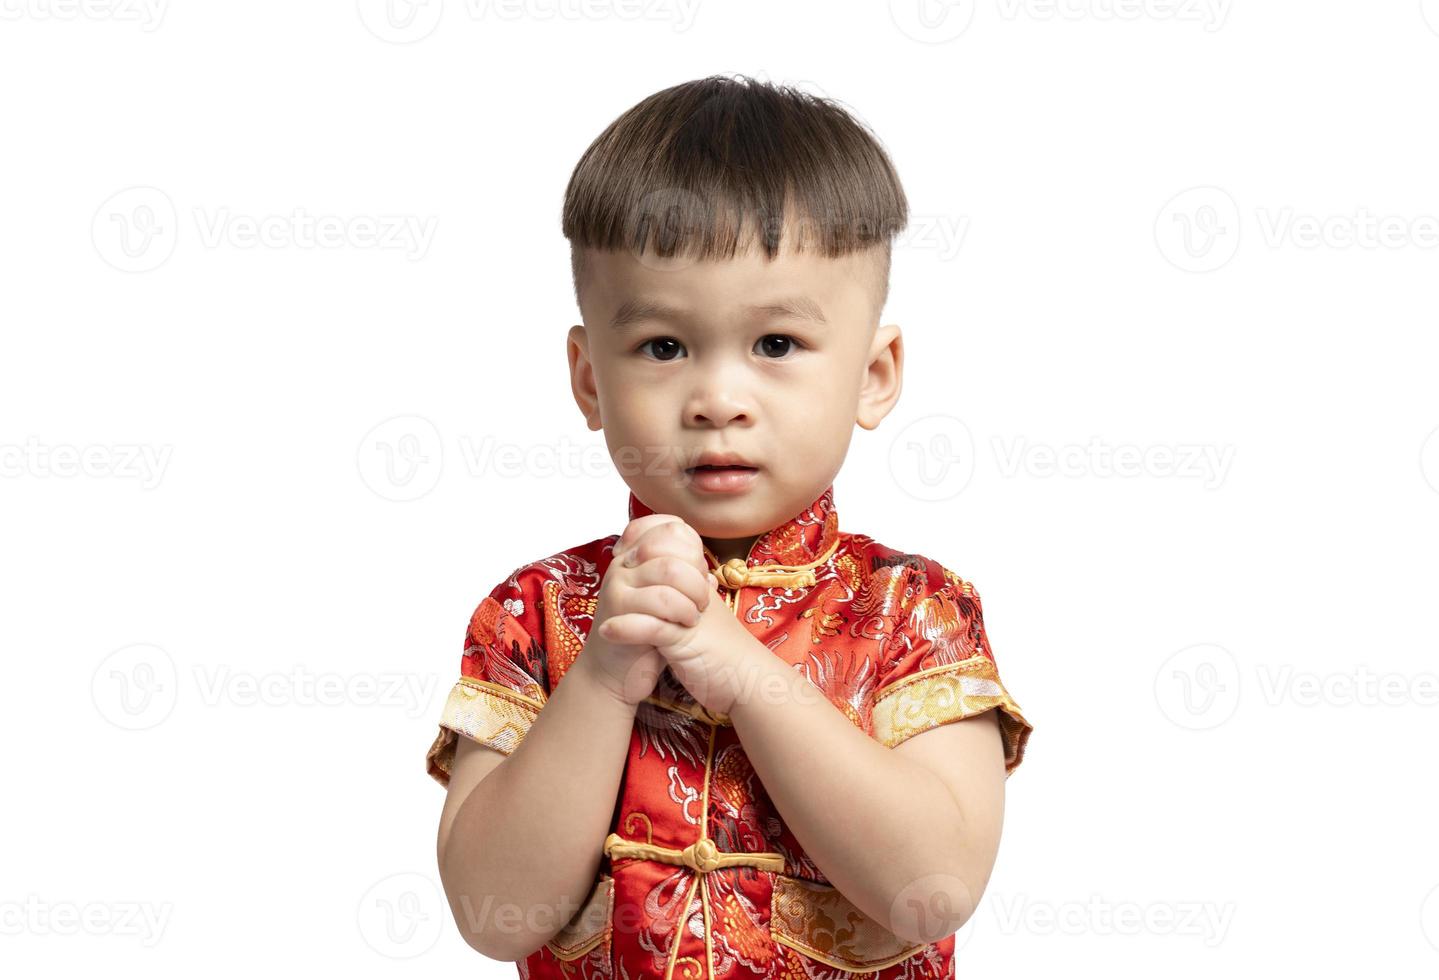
{"points": [[939, 668], [503, 680]]}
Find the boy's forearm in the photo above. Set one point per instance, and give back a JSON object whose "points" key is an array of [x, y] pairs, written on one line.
{"points": [[877, 824], [526, 843]]}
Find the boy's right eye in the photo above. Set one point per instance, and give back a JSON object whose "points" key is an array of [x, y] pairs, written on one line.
{"points": [[668, 348]]}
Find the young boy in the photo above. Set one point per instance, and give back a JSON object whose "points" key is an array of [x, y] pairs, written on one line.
{"points": [[732, 741]]}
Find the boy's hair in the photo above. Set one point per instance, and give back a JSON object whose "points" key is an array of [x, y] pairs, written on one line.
{"points": [[698, 169]]}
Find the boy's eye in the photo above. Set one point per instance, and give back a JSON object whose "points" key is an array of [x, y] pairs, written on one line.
{"points": [[775, 345], [668, 348]]}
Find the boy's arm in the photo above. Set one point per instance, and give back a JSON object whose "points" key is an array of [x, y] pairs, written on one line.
{"points": [[908, 834], [521, 836]]}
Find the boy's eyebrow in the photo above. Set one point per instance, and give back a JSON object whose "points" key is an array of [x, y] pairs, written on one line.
{"points": [[634, 310]]}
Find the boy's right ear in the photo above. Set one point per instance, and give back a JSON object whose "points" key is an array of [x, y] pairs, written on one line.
{"points": [[582, 377]]}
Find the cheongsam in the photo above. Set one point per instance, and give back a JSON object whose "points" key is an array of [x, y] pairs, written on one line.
{"points": [[896, 642]]}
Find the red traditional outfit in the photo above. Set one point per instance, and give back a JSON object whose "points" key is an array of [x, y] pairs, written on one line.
{"points": [[897, 643]]}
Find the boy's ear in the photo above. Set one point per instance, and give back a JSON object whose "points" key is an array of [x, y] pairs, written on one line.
{"points": [[582, 376], [883, 377]]}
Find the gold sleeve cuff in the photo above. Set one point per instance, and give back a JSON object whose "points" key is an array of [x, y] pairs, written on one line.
{"points": [[946, 693], [489, 713]]}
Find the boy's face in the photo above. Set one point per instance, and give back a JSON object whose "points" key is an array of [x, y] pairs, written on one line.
{"points": [[774, 361]]}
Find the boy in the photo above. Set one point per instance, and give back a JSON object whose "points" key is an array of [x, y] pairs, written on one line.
{"points": [[732, 741]]}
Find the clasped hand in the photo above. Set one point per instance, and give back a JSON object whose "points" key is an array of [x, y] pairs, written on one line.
{"points": [[658, 606]]}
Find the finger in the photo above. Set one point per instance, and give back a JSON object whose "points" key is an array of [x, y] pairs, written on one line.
{"points": [[676, 538], [641, 629], [636, 529], [661, 601], [676, 572]]}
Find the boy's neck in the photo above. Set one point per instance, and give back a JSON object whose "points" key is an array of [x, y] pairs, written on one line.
{"points": [[725, 549]]}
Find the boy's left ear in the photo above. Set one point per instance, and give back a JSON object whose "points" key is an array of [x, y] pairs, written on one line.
{"points": [[883, 377]]}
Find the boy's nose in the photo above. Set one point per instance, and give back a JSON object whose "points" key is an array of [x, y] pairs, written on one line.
{"points": [[718, 407]]}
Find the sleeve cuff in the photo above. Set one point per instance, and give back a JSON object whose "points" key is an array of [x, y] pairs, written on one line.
{"points": [[950, 692], [489, 713]]}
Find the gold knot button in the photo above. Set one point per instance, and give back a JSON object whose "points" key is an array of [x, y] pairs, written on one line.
{"points": [[735, 574], [702, 855]]}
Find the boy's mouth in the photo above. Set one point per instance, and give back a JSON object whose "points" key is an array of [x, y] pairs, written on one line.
{"points": [[720, 463], [717, 473]]}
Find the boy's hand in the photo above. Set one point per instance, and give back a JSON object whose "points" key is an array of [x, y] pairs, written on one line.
{"points": [[658, 573], [706, 647]]}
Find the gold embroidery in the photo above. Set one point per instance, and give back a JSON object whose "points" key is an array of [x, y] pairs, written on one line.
{"points": [[818, 921], [489, 713], [949, 692]]}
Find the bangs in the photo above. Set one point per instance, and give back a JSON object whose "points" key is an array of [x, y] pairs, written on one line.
{"points": [[712, 167]]}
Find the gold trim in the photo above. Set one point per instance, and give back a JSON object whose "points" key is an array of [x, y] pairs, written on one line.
{"points": [[820, 923], [705, 852], [489, 713], [693, 709], [738, 573], [680, 927], [949, 692], [590, 926], [702, 856]]}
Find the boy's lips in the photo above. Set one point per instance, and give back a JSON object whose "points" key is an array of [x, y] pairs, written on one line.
{"points": [[719, 461], [721, 474]]}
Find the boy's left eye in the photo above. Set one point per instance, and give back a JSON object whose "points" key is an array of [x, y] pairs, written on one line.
{"points": [[775, 346]]}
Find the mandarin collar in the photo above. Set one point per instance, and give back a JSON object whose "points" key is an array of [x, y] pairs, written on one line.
{"points": [[784, 555]]}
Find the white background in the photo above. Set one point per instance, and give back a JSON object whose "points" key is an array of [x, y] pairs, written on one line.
{"points": [[1227, 649]]}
